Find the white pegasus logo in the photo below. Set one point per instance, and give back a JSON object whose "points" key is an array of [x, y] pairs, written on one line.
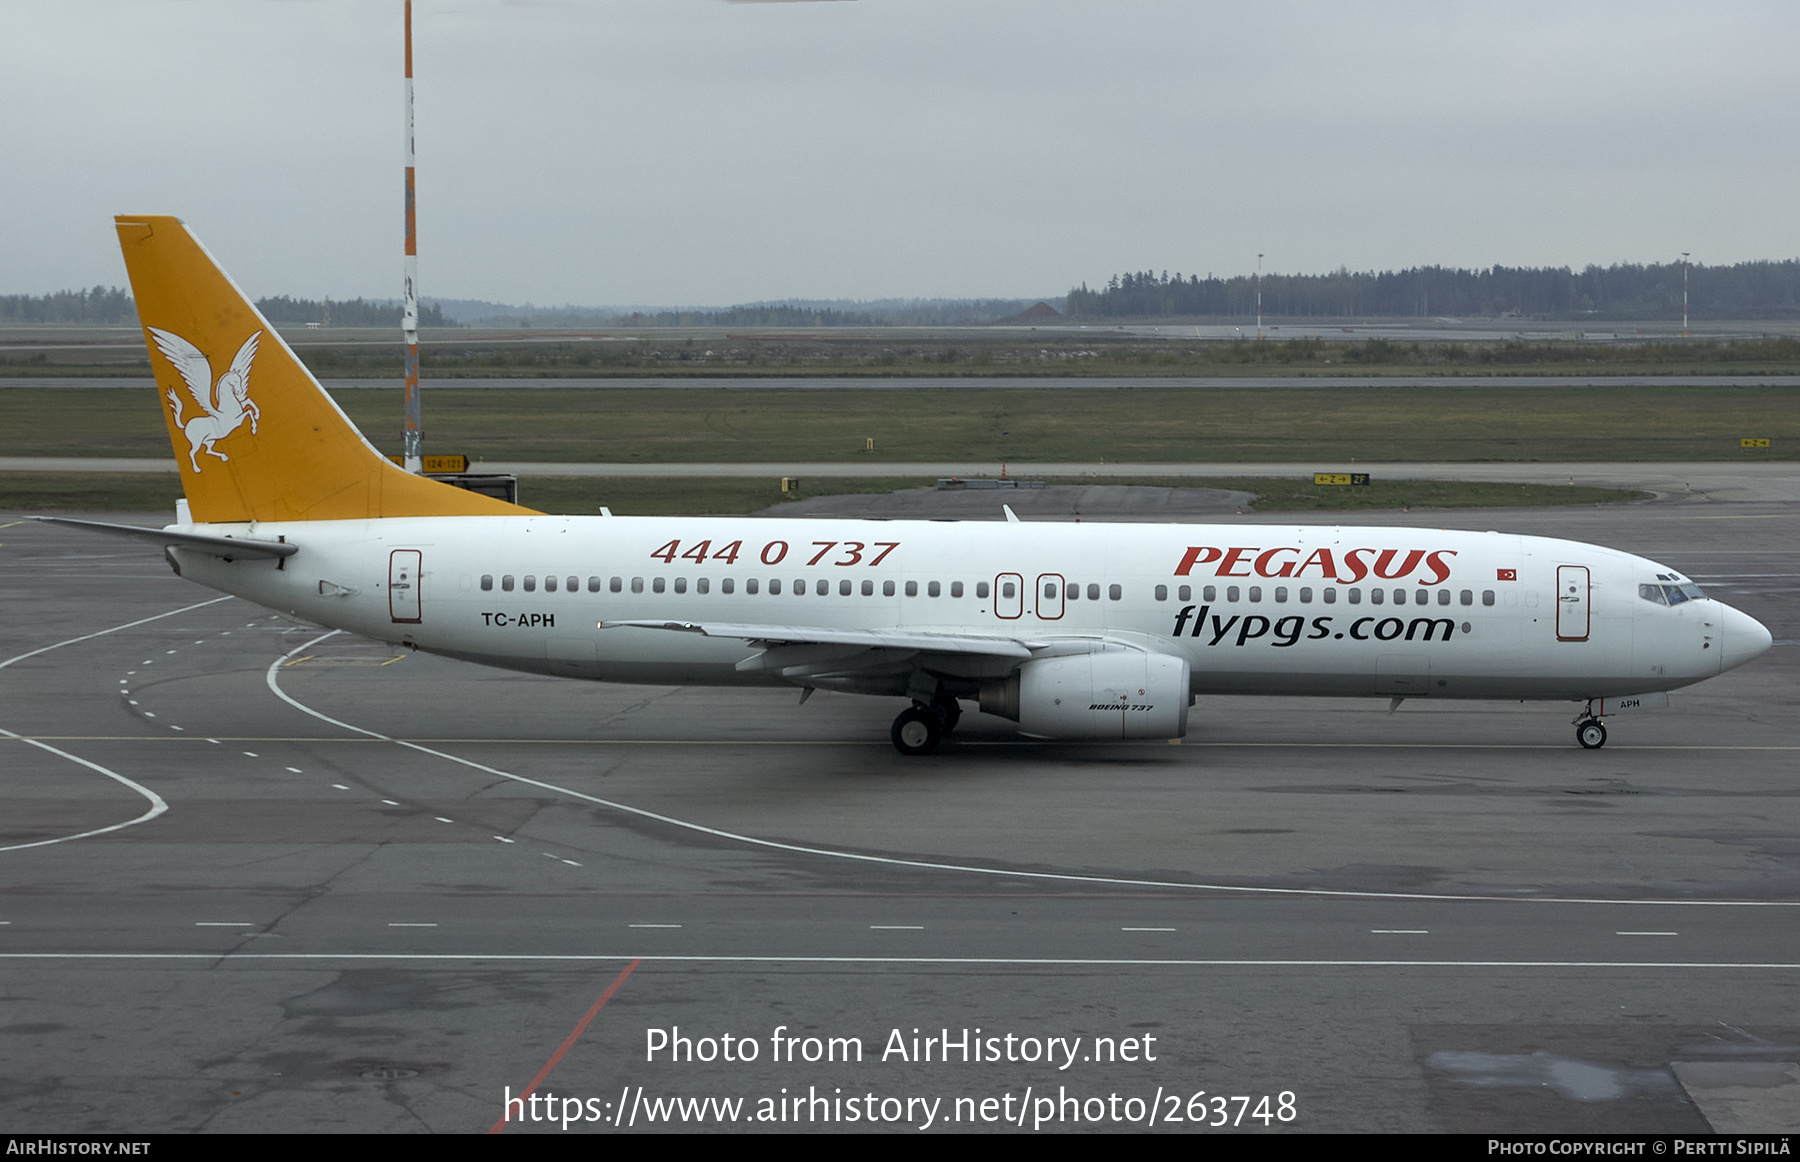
{"points": [[227, 404]]}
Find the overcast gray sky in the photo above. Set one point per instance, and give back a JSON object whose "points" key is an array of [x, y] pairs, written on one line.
{"points": [[703, 152]]}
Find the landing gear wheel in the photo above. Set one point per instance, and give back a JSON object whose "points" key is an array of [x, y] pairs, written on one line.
{"points": [[916, 731], [1591, 734], [949, 713]]}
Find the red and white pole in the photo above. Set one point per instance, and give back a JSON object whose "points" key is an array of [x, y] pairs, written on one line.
{"points": [[411, 456]]}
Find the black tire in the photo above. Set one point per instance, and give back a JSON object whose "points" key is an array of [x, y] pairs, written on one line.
{"points": [[949, 713], [916, 731], [1591, 735]]}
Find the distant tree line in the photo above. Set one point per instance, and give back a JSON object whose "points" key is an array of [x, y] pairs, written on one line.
{"points": [[1747, 290], [103, 304], [111, 304], [346, 313]]}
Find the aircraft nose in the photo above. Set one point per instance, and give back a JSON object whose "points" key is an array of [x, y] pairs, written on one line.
{"points": [[1744, 639]]}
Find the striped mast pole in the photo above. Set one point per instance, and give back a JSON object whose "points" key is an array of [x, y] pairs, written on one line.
{"points": [[411, 457]]}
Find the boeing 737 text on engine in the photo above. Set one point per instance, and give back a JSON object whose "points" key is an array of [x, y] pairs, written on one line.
{"points": [[1073, 631]]}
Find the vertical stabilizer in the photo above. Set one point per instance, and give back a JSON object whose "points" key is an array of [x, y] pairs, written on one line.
{"points": [[255, 436]]}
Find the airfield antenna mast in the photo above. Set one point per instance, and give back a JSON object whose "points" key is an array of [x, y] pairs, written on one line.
{"points": [[411, 457], [1259, 295], [1684, 301]]}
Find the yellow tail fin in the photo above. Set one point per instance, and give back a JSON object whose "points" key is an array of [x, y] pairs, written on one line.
{"points": [[255, 435]]}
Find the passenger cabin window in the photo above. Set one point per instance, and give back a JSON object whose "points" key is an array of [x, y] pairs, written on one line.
{"points": [[506, 583], [1210, 593], [912, 588], [844, 588], [824, 587], [1305, 595], [1231, 592], [1329, 596], [549, 584], [750, 584], [1487, 596], [1093, 593], [1162, 592], [1355, 596], [981, 590], [956, 589], [1185, 593], [1281, 593], [530, 583], [1467, 597], [726, 586], [887, 588], [702, 585], [931, 589], [1443, 597], [1256, 592], [573, 584], [637, 584], [1072, 591], [487, 582], [681, 584], [774, 587], [1115, 592], [593, 584], [1376, 596], [1007, 589], [868, 588]]}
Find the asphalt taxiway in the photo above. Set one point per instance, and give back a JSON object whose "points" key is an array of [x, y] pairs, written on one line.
{"points": [[255, 876]]}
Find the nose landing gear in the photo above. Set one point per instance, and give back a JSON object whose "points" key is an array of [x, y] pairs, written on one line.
{"points": [[1590, 732]]}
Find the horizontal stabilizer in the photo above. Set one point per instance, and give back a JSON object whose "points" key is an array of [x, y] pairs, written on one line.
{"points": [[226, 547]]}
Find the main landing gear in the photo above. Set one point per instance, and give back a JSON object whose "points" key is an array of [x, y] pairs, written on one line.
{"points": [[919, 729], [1590, 732]]}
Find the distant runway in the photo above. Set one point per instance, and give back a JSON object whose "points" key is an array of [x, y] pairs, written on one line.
{"points": [[901, 383], [259, 877], [1776, 480]]}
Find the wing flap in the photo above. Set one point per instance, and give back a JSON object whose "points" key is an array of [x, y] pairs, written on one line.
{"points": [[779, 635]]}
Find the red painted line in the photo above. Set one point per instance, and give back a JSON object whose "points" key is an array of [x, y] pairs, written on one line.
{"points": [[568, 1043]]}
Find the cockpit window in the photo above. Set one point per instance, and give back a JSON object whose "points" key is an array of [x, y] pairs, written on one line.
{"points": [[1670, 594]]}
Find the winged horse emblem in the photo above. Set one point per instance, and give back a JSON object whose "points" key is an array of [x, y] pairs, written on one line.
{"points": [[226, 404]]}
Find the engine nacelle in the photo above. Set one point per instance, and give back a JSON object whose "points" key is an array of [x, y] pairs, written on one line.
{"points": [[1111, 694]]}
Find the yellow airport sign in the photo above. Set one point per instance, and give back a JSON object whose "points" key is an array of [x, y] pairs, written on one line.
{"points": [[1358, 479], [445, 463], [1753, 443]]}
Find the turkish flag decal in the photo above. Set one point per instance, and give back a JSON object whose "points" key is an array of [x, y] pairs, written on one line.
{"points": [[1506, 575]]}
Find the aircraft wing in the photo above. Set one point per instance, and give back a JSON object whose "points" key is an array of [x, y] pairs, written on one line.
{"points": [[226, 547], [785, 635]]}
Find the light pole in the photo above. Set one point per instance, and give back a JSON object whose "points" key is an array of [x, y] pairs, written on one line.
{"points": [[1684, 299], [1259, 259]]}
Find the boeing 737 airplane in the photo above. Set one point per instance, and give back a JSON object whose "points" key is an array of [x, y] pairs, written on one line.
{"points": [[1073, 631]]}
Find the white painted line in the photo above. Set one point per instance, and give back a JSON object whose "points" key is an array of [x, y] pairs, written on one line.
{"points": [[1147, 962], [1146, 929], [295, 771], [340, 786], [214, 741], [1400, 931], [1646, 933], [503, 839], [172, 726], [252, 754], [223, 924], [148, 714], [441, 819], [390, 803], [132, 702], [271, 677], [571, 863], [896, 927], [168, 651], [652, 925], [396, 924]]}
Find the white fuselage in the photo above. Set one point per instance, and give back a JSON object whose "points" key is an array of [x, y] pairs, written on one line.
{"points": [[1254, 609]]}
